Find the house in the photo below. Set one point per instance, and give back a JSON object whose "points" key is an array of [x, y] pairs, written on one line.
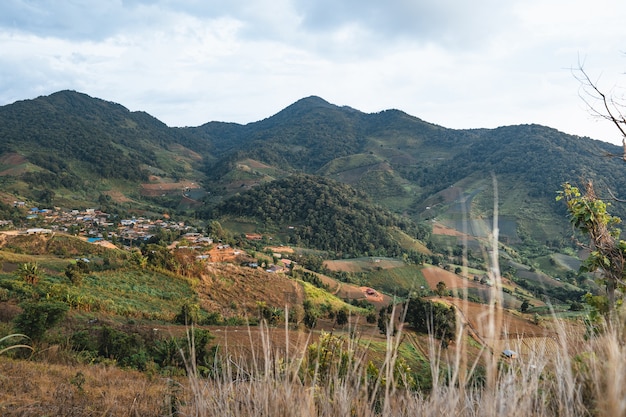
{"points": [[275, 269], [370, 291], [509, 354], [38, 231]]}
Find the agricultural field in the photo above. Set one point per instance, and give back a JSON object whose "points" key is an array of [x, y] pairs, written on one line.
{"points": [[363, 264]]}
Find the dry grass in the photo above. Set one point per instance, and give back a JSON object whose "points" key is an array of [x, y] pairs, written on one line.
{"points": [[560, 376], [548, 380], [42, 389]]}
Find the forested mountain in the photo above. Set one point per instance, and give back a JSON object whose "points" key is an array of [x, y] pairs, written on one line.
{"points": [[322, 214], [70, 140], [81, 147]]}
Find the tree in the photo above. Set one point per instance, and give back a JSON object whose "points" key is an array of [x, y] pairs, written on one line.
{"points": [[74, 274], [215, 230], [37, 317], [189, 314], [342, 317], [602, 105], [525, 306], [607, 252], [29, 272], [441, 289], [431, 317]]}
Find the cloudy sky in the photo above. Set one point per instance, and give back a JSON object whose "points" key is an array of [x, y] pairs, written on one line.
{"points": [[459, 64]]}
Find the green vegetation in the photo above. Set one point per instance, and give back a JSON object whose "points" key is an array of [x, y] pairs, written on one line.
{"points": [[323, 214], [309, 177]]}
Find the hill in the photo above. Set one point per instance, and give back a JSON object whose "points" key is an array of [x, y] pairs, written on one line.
{"points": [[55, 148], [73, 145], [283, 176], [331, 181], [319, 213]]}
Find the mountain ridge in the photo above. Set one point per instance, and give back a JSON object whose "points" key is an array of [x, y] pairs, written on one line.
{"points": [[78, 145]]}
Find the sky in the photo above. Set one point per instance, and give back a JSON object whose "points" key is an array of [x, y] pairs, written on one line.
{"points": [[458, 64]]}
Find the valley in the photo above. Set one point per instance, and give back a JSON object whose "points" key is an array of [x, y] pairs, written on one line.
{"points": [[123, 242]]}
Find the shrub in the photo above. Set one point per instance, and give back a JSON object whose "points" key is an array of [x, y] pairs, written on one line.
{"points": [[37, 317], [128, 349], [432, 318], [189, 314]]}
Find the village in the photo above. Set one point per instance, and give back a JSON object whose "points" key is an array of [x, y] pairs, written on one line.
{"points": [[100, 228]]}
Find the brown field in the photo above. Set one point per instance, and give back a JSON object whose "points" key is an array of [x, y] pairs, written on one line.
{"points": [[118, 197], [164, 187], [440, 229], [255, 164], [362, 265], [280, 249], [234, 291], [352, 292], [434, 275], [13, 164], [450, 194], [516, 332], [186, 152]]}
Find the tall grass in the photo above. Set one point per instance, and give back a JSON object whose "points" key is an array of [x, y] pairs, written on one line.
{"points": [[333, 377], [565, 376]]}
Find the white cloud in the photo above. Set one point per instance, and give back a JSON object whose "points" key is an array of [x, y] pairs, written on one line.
{"points": [[462, 65]]}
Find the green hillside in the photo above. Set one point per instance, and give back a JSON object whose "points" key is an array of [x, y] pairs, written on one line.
{"points": [[322, 214], [69, 149]]}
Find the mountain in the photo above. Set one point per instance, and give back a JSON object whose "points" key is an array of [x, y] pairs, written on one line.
{"points": [[69, 149], [70, 142], [319, 213]]}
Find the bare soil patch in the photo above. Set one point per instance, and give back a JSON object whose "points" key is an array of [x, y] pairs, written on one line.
{"points": [[118, 197], [434, 275], [13, 164], [234, 291], [450, 194], [164, 187], [12, 159], [362, 264], [255, 164], [440, 229], [280, 249], [513, 326]]}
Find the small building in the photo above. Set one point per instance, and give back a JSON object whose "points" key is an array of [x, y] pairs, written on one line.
{"points": [[38, 231], [509, 354]]}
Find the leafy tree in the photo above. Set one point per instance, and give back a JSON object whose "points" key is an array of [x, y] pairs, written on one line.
{"points": [[29, 272], [342, 317], [74, 274], [525, 306], [215, 230], [607, 252], [576, 306], [139, 260], [442, 289], [431, 317], [126, 348], [37, 317], [310, 315], [189, 314]]}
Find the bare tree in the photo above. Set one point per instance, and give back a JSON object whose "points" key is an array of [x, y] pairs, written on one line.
{"points": [[601, 104]]}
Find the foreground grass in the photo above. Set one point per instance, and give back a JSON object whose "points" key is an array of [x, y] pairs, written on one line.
{"points": [[332, 376]]}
